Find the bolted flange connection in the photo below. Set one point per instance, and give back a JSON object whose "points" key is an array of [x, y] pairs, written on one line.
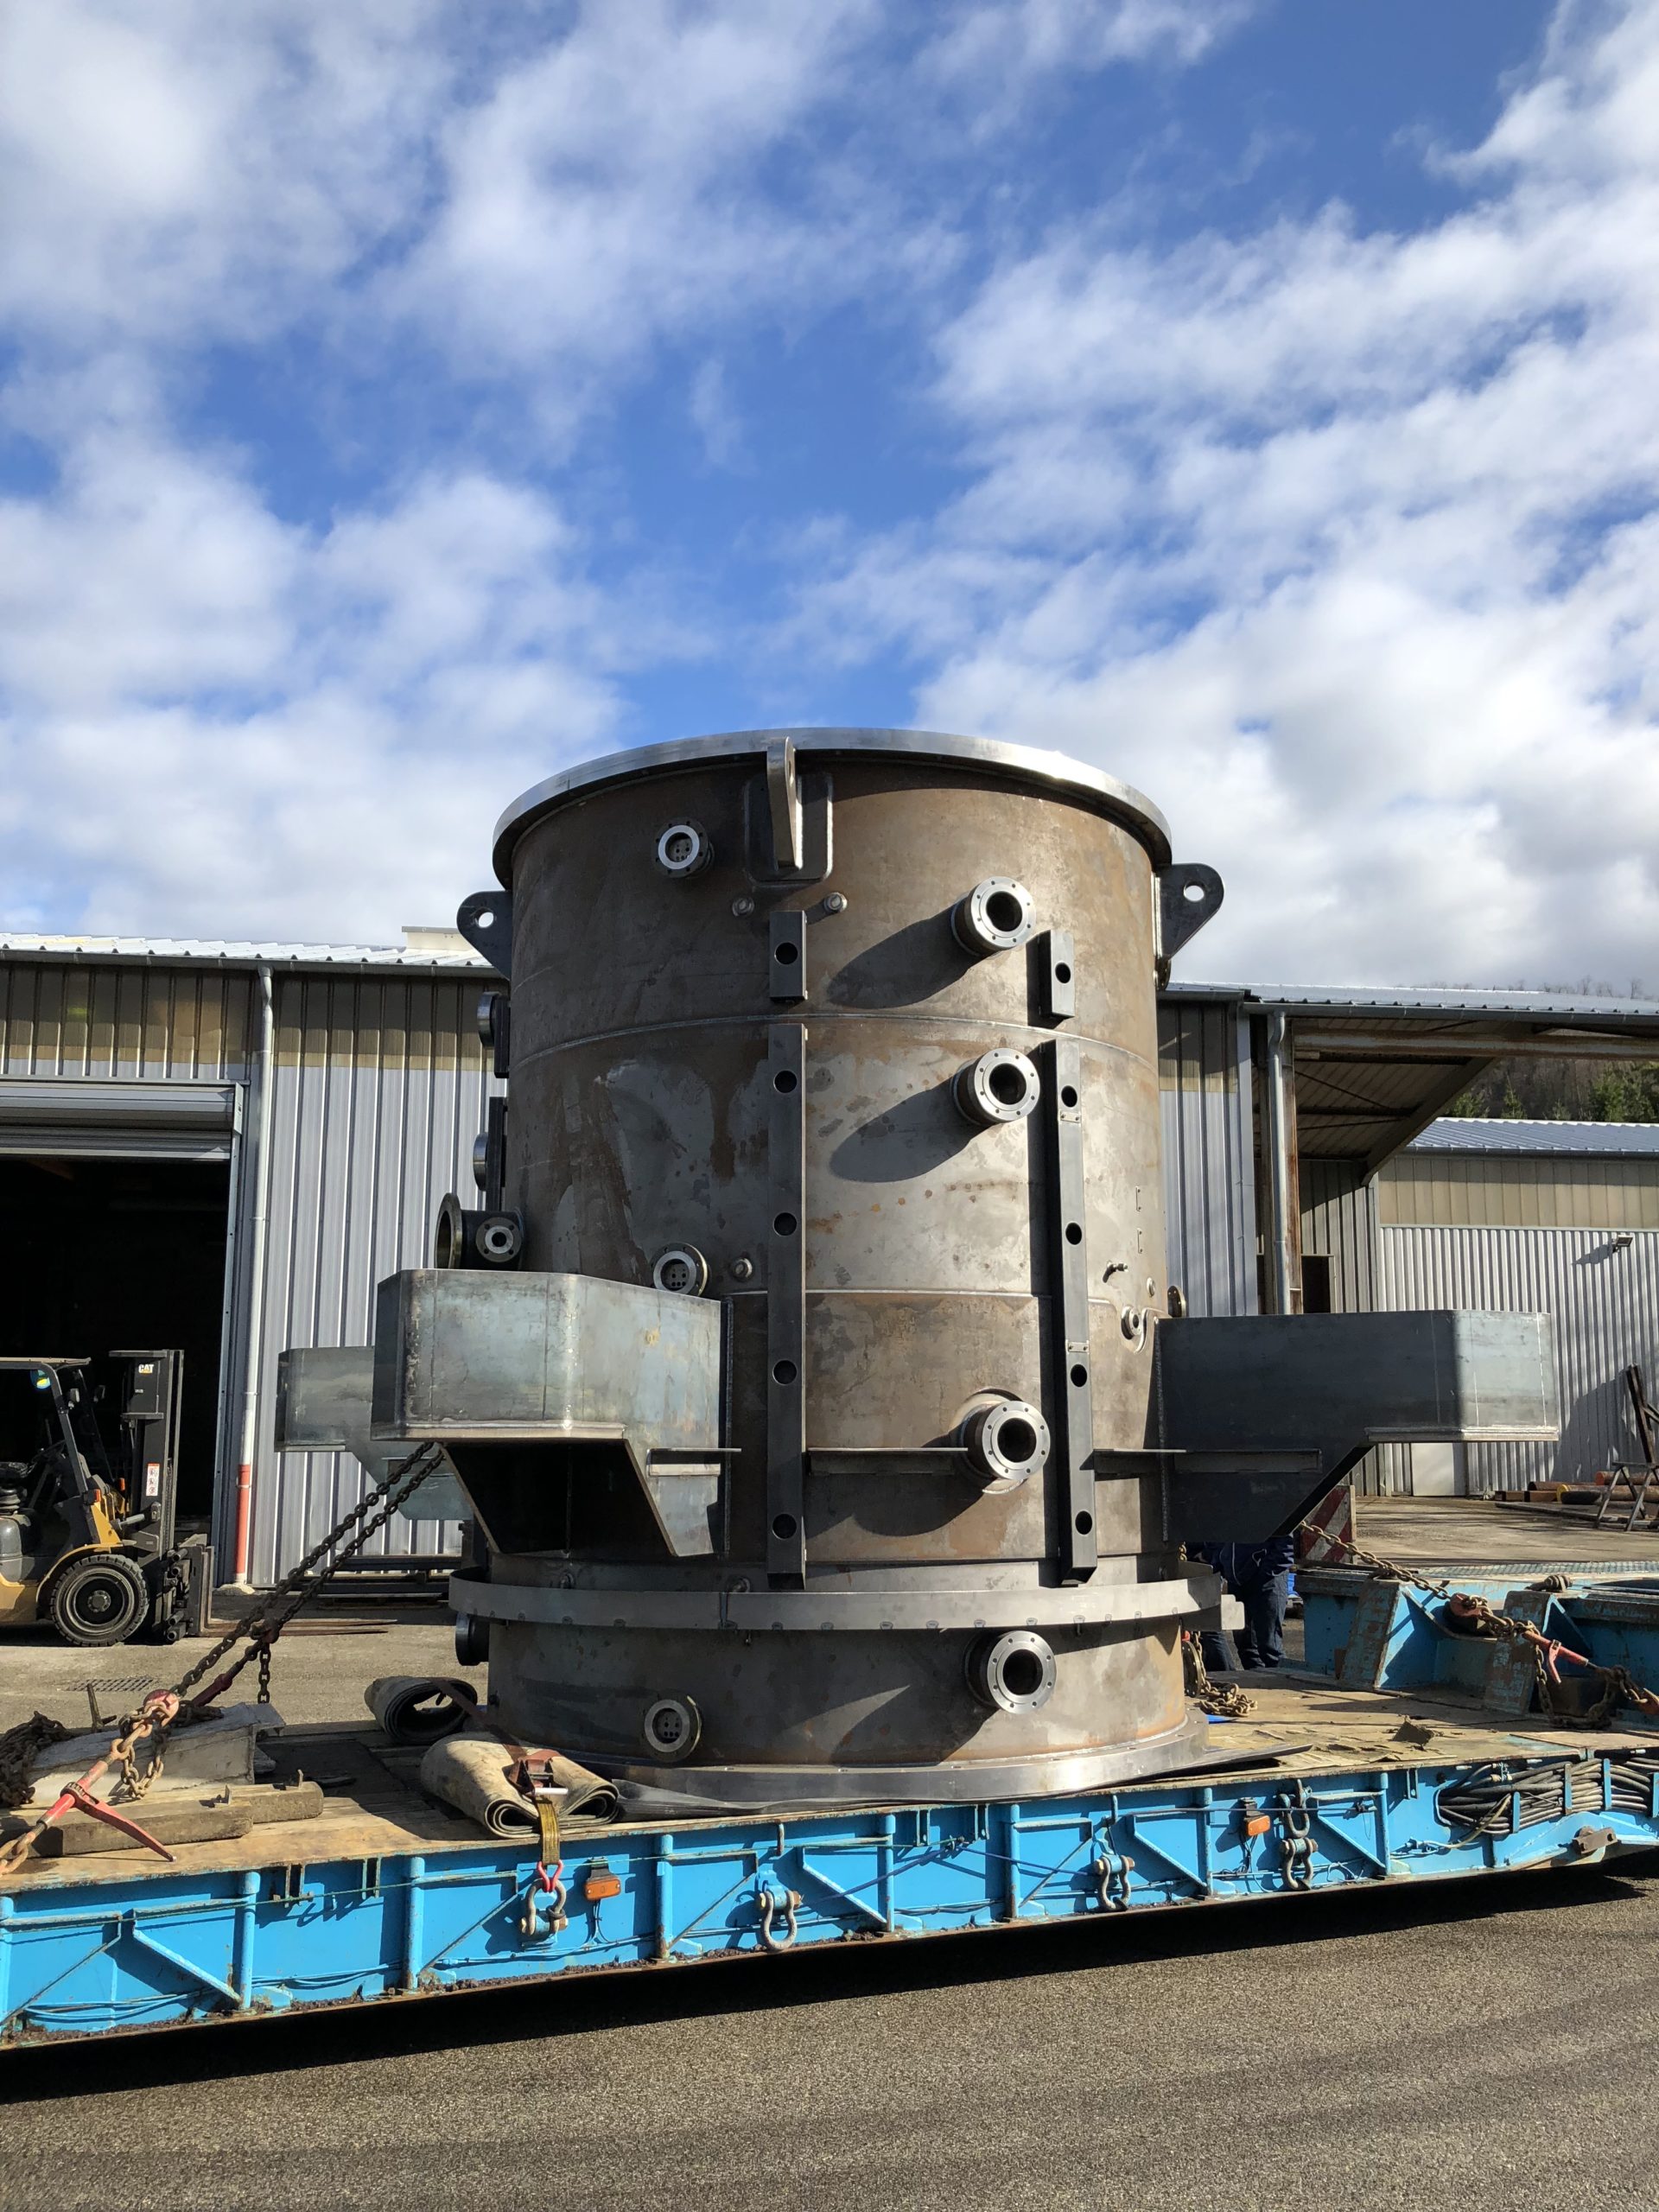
{"points": [[994, 916], [499, 1239], [1012, 1672], [1006, 1440], [999, 1086], [681, 1267], [463, 1238], [670, 1728], [685, 848]]}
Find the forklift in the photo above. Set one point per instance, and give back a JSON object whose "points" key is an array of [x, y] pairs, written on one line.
{"points": [[88, 1526]]}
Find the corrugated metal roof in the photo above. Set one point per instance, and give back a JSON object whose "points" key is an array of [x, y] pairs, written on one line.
{"points": [[1466, 1133], [189, 951], [1529, 1005]]}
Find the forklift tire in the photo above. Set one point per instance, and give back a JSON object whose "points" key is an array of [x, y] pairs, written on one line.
{"points": [[102, 1598]]}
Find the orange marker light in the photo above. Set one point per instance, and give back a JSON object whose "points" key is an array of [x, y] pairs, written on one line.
{"points": [[601, 1885]]}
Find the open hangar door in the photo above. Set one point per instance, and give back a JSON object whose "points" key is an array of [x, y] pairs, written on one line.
{"points": [[116, 1198]]}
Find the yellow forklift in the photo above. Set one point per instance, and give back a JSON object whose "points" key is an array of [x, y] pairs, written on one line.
{"points": [[88, 1531]]}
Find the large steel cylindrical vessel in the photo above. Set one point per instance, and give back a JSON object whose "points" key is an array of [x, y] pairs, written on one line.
{"points": [[854, 1032]]}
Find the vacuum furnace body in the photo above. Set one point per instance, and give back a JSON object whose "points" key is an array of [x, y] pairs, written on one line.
{"points": [[810, 1364]]}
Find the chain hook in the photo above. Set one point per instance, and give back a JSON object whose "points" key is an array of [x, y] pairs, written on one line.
{"points": [[545, 1883], [771, 1905], [1112, 1870]]}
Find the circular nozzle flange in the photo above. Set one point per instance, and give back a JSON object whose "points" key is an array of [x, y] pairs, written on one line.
{"points": [[685, 848], [464, 1238], [994, 916], [1012, 1672], [999, 1086], [499, 1239], [681, 1267], [1006, 1440], [669, 1728]]}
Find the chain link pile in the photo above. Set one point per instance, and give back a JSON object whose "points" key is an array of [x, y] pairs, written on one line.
{"points": [[1225, 1700]]}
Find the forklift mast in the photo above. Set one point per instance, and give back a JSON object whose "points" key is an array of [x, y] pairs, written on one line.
{"points": [[148, 1393]]}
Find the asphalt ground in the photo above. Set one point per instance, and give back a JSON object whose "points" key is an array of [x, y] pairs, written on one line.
{"points": [[1488, 2044], [318, 1669]]}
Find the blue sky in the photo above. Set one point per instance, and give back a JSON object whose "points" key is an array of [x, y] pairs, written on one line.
{"points": [[1253, 397]]}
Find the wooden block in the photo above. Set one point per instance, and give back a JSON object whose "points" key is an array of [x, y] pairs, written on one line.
{"points": [[77, 1834], [271, 1802]]}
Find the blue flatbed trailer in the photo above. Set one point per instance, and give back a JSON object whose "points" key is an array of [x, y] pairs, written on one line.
{"points": [[387, 1895]]}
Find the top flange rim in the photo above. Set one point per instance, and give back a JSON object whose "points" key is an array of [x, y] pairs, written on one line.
{"points": [[1057, 772]]}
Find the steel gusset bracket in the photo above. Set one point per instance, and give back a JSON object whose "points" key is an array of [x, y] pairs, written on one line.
{"points": [[485, 920], [1189, 894]]}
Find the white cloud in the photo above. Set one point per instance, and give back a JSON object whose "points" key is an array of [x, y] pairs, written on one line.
{"points": [[314, 722], [172, 170], [220, 724], [714, 416], [989, 44], [613, 189], [1341, 544]]}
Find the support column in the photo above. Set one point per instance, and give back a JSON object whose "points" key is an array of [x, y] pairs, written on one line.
{"points": [[1284, 1222]]}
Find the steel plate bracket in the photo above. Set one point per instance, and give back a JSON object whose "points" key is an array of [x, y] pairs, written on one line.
{"points": [[485, 920], [786, 1305], [1074, 1428]]}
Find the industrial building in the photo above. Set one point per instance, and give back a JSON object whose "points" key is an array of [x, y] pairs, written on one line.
{"points": [[1559, 1218], [226, 1146]]}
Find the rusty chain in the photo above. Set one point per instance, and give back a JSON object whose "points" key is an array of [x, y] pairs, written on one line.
{"points": [[163, 1710], [301, 1586], [1226, 1701], [19, 1749]]}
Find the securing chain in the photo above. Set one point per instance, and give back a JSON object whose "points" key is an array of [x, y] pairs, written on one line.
{"points": [[1226, 1701], [302, 1583], [163, 1710], [19, 1749]]}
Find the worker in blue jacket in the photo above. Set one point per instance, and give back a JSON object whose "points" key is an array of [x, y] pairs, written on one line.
{"points": [[1258, 1576]]}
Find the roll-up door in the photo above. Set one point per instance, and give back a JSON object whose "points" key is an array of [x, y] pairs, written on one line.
{"points": [[115, 1120]]}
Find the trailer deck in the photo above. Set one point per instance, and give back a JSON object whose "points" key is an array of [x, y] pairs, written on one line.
{"points": [[388, 1894]]}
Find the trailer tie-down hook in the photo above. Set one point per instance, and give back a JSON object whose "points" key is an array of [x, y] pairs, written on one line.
{"points": [[545, 1883], [1112, 1870], [771, 1905], [1300, 1846]]}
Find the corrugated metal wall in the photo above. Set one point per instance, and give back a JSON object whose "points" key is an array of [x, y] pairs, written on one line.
{"points": [[1517, 1191], [380, 1086], [182, 1024], [380, 1089], [1604, 1298], [1203, 1070], [1338, 1224]]}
